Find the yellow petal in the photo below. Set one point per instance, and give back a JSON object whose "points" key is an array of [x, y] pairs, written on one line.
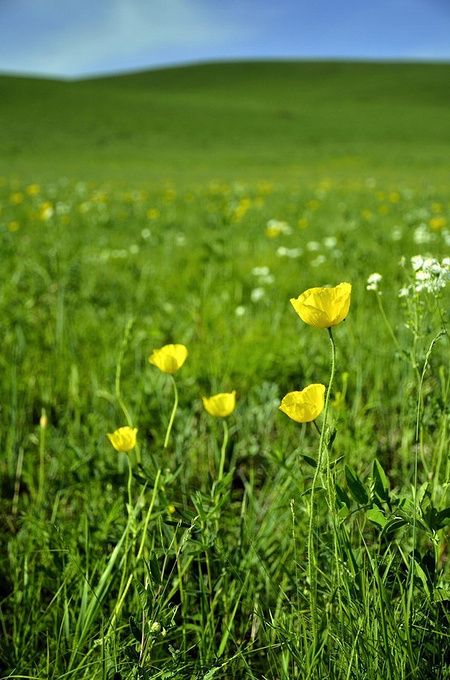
{"points": [[323, 307], [220, 405], [169, 358], [306, 405], [123, 439]]}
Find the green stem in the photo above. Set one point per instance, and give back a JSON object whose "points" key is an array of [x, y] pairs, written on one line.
{"points": [[119, 399], [172, 415], [389, 327], [41, 461], [223, 450], [312, 565]]}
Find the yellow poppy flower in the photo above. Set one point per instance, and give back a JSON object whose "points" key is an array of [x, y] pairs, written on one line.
{"points": [[323, 307], [123, 439], [304, 406], [220, 404], [169, 358]]}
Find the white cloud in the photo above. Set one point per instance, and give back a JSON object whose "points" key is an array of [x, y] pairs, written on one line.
{"points": [[116, 32]]}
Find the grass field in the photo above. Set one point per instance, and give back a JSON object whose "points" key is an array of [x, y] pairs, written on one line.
{"points": [[189, 206]]}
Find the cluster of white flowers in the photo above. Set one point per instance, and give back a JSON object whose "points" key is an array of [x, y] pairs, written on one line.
{"points": [[263, 275], [263, 278], [373, 281], [276, 227], [289, 252], [430, 275]]}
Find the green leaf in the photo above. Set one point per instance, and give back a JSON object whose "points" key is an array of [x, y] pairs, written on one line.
{"points": [[135, 629], [443, 518], [309, 460], [155, 570], [392, 525], [375, 515], [380, 483], [356, 486], [343, 496]]}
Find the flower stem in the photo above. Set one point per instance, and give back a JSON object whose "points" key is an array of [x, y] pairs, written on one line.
{"points": [[172, 415], [223, 449], [312, 565]]}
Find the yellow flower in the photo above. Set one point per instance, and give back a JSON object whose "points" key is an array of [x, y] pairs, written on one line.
{"points": [[220, 404], [304, 406], [437, 223], [169, 358], [123, 439], [323, 307]]}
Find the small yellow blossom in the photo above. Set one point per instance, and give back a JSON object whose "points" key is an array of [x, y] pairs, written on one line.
{"points": [[45, 211], [302, 223], [306, 405], [169, 358], [437, 223], [16, 198], [220, 405], [123, 439], [43, 420], [313, 204], [33, 189], [13, 226], [323, 307], [153, 213]]}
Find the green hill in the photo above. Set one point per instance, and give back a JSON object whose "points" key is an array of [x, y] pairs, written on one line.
{"points": [[274, 120]]}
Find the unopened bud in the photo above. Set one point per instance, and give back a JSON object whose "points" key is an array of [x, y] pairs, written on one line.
{"points": [[43, 421]]}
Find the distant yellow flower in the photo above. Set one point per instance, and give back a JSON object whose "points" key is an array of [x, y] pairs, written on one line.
{"points": [[220, 405], [437, 223], [45, 211], [33, 189], [123, 439], [13, 226], [169, 358], [16, 198], [306, 405], [323, 307]]}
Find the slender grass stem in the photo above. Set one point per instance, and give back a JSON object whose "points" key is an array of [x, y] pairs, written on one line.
{"points": [[172, 415]]}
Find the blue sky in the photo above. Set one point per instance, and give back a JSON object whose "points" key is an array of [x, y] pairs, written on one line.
{"points": [[77, 38]]}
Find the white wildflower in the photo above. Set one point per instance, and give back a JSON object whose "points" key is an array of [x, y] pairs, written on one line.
{"points": [[373, 281], [257, 294], [289, 252], [330, 241], [319, 260], [396, 233], [313, 246], [422, 234]]}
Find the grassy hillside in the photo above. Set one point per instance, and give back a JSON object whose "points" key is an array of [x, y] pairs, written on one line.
{"points": [[230, 121]]}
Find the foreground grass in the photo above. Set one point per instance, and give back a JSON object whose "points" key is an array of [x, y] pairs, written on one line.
{"points": [[163, 569]]}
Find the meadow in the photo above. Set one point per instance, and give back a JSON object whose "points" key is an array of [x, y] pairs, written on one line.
{"points": [[249, 545]]}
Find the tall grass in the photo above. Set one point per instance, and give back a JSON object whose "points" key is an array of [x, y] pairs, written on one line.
{"points": [[190, 559]]}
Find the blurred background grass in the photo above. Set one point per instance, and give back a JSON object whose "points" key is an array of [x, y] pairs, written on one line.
{"points": [[285, 121]]}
